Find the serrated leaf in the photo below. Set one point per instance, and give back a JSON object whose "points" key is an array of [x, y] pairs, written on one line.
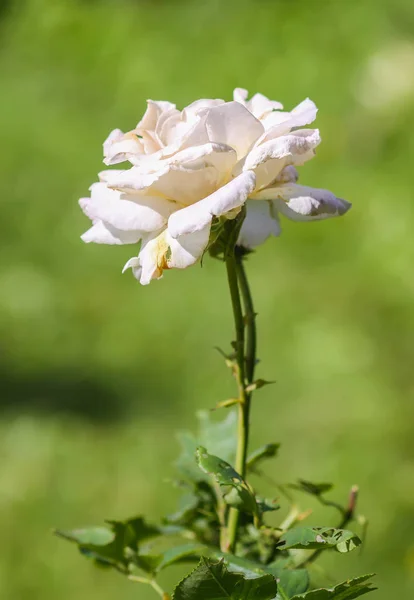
{"points": [[181, 553], [237, 564], [112, 546], [213, 581], [154, 563], [319, 538], [291, 581], [347, 590], [266, 451], [315, 489], [240, 496]]}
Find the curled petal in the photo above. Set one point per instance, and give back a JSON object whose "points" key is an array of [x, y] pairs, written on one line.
{"points": [[233, 124], [135, 265], [287, 175], [259, 105], [240, 95], [119, 146], [126, 213], [281, 123], [197, 216], [155, 108], [160, 252], [302, 203], [194, 108], [187, 249], [103, 233], [261, 222], [268, 159], [186, 177]]}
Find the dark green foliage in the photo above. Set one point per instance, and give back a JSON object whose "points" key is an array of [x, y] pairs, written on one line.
{"points": [[266, 555], [213, 581], [348, 590], [320, 538]]}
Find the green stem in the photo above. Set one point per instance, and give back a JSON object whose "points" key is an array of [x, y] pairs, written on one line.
{"points": [[245, 369], [152, 583], [250, 318]]}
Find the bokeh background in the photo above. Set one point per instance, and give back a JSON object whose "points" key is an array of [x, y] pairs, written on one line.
{"points": [[97, 372]]}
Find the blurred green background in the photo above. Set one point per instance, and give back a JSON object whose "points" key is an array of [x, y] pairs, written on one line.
{"points": [[97, 372]]}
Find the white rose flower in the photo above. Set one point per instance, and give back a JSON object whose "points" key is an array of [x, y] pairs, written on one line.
{"points": [[190, 167]]}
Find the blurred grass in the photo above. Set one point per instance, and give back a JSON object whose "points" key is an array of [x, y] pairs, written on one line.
{"points": [[97, 372]]}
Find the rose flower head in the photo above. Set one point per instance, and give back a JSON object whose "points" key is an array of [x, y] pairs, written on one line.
{"points": [[191, 167]]}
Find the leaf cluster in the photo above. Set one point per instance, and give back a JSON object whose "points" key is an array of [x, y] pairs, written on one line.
{"points": [[271, 562]]}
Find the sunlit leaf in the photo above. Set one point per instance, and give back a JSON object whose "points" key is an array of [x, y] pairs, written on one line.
{"points": [[213, 581], [240, 496], [348, 590], [115, 545], [320, 538], [218, 436], [290, 581]]}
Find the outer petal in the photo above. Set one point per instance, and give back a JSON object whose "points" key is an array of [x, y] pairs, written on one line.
{"points": [[302, 203], [101, 233], [240, 95], [271, 157], [161, 251], [261, 222], [280, 123], [258, 105], [261, 106], [187, 249], [142, 213], [234, 125], [197, 216]]}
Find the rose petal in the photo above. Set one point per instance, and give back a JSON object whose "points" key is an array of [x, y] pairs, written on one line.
{"points": [[268, 159], [143, 213], [187, 249], [302, 203], [119, 146], [155, 108], [234, 125], [259, 105], [261, 222], [281, 123], [101, 233], [186, 177], [197, 216]]}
